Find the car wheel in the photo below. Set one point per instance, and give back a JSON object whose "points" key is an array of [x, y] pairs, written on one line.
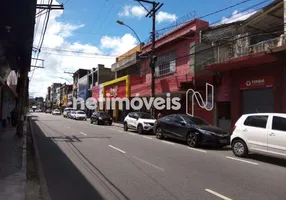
{"points": [[91, 121], [96, 122], [140, 129], [239, 148], [110, 123], [125, 126], [192, 140], [159, 133]]}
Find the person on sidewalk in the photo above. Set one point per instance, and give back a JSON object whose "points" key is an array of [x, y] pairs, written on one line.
{"points": [[14, 117]]}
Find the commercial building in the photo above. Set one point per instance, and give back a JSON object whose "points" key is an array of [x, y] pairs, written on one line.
{"points": [[65, 90], [247, 59], [17, 32], [175, 67]]}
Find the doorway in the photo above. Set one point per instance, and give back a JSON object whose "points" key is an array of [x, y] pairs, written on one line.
{"points": [[224, 116]]}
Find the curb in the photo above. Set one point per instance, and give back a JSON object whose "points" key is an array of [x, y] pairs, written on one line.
{"points": [[41, 175], [118, 125]]}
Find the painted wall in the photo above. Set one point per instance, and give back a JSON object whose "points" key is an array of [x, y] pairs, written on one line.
{"points": [[274, 70]]}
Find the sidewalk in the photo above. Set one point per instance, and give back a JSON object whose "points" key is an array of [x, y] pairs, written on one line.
{"points": [[117, 124], [12, 164]]}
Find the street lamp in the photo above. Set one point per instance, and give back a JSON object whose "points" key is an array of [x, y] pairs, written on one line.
{"points": [[123, 24]]}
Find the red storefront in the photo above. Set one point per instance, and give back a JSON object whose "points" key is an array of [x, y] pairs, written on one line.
{"points": [[250, 84]]}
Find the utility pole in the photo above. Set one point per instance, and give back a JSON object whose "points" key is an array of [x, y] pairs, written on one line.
{"points": [[152, 13]]}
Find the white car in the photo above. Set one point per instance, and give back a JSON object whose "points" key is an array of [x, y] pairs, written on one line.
{"points": [[140, 121], [65, 111], [56, 112], [80, 115], [263, 133]]}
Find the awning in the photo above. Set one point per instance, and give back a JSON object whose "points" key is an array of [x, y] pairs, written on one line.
{"points": [[242, 62]]}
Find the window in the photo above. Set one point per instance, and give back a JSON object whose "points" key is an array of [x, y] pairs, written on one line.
{"points": [[131, 115], [168, 118], [178, 119], [279, 123], [196, 120], [256, 121], [166, 64]]}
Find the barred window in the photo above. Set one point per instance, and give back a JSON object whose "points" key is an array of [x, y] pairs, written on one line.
{"points": [[166, 64]]}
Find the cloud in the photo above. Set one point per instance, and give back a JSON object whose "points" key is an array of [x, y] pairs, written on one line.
{"points": [[237, 16], [60, 55], [119, 45], [165, 17], [133, 11]]}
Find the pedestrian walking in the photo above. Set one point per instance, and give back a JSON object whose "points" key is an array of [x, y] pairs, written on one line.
{"points": [[14, 117]]}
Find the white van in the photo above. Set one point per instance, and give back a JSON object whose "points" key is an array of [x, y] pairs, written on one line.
{"points": [[263, 133], [65, 111]]}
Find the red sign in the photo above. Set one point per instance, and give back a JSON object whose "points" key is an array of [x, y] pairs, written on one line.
{"points": [[255, 83], [116, 90]]}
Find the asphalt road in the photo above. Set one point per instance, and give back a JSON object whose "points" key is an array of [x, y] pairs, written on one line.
{"points": [[85, 161]]}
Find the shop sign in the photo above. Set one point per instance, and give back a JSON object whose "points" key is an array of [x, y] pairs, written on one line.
{"points": [[255, 83], [113, 91]]}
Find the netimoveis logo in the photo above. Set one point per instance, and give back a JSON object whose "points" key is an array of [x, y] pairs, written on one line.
{"points": [[208, 104]]}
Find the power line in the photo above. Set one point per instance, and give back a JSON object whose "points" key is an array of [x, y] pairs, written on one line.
{"points": [[99, 14]]}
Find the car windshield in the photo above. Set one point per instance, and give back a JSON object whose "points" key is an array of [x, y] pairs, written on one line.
{"points": [[56, 110], [103, 114], [80, 112], [196, 120], [145, 116]]}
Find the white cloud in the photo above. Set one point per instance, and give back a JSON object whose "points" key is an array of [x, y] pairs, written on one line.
{"points": [[237, 16], [119, 45], [76, 55], [133, 11], [165, 17]]}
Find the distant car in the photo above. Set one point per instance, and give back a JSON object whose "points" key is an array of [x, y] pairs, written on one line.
{"points": [[68, 114], [262, 133], [65, 111], [80, 115], [72, 114], [140, 121], [49, 111], [101, 118], [56, 112], [194, 130]]}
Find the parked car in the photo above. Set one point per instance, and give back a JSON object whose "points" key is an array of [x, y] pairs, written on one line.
{"points": [[194, 130], [80, 115], [72, 114], [56, 112], [65, 112], [263, 133], [69, 114], [140, 121], [49, 111], [101, 118]]}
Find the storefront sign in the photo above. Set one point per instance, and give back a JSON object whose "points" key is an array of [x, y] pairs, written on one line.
{"points": [[82, 88], [113, 91], [254, 83], [116, 90]]}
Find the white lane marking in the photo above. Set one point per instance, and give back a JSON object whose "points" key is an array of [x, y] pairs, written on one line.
{"points": [[147, 137], [132, 134], [203, 151], [83, 133], [144, 161], [168, 142], [217, 194], [68, 127], [117, 149], [249, 162]]}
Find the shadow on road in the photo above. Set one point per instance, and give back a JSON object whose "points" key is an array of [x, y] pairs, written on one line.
{"points": [[64, 180], [268, 159]]}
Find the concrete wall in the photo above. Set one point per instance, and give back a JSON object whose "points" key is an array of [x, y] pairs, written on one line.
{"points": [[104, 74]]}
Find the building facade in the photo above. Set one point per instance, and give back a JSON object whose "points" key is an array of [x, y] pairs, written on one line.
{"points": [[175, 68], [248, 63]]}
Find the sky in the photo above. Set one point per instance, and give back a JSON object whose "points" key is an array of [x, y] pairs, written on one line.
{"points": [[86, 34]]}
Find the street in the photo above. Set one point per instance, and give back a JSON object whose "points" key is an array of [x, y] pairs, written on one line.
{"points": [[86, 161]]}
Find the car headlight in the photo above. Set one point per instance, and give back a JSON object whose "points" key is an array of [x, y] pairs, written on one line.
{"points": [[206, 132]]}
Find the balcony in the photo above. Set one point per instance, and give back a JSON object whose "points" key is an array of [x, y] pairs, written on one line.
{"points": [[223, 55], [126, 62]]}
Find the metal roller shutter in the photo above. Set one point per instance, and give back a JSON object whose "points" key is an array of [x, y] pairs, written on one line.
{"points": [[257, 101]]}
